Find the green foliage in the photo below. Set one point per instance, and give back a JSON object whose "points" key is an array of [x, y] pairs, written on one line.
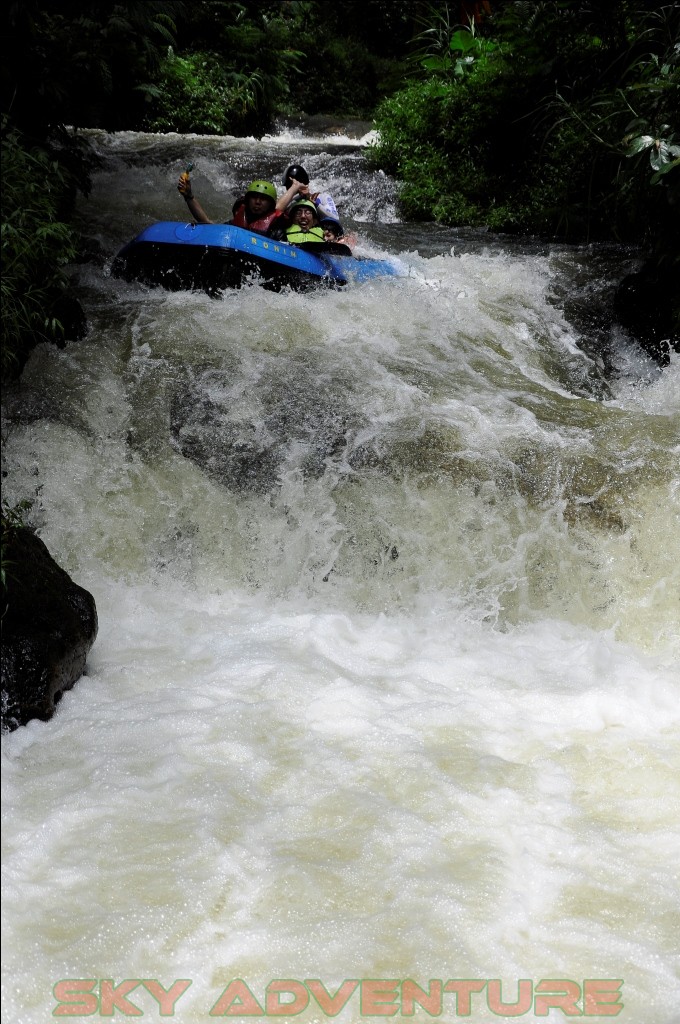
{"points": [[200, 93], [339, 76], [552, 127], [437, 137], [309, 56], [623, 62], [233, 86], [446, 49], [35, 246], [13, 516], [108, 65], [664, 154]]}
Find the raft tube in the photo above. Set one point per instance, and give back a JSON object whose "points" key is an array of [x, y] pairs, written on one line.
{"points": [[212, 257]]}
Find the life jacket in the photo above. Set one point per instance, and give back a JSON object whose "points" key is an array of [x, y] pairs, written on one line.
{"points": [[261, 225], [296, 236]]}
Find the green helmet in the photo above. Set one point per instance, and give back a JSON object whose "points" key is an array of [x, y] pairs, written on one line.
{"points": [[263, 188], [308, 203]]}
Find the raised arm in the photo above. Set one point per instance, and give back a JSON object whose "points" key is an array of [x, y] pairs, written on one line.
{"points": [[193, 205], [288, 196]]}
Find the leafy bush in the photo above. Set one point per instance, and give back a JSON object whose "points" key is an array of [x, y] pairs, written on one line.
{"points": [[235, 84], [200, 93], [438, 137], [36, 245], [85, 65], [532, 132]]}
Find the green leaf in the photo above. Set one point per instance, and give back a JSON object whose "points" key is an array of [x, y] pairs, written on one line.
{"points": [[436, 63], [462, 40], [663, 154], [656, 178], [639, 144], [637, 122]]}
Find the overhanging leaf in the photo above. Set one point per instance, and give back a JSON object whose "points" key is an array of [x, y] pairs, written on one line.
{"points": [[639, 144], [663, 154]]}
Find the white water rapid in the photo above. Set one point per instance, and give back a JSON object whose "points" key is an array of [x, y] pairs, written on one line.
{"points": [[386, 686]]}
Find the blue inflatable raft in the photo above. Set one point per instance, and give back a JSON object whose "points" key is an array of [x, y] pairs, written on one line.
{"points": [[212, 257]]}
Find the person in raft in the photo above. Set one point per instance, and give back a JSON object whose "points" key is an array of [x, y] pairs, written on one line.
{"points": [[323, 201], [327, 212], [304, 226], [306, 231], [334, 232], [258, 210]]}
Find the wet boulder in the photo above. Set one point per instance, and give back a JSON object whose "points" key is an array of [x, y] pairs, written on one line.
{"points": [[297, 422], [48, 627], [646, 304], [237, 455]]}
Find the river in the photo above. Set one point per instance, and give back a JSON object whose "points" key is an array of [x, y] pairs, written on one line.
{"points": [[386, 682]]}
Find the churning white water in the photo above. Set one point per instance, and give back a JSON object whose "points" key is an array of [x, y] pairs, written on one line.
{"points": [[386, 683]]}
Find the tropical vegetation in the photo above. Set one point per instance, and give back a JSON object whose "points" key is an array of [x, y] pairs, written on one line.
{"points": [[562, 120]]}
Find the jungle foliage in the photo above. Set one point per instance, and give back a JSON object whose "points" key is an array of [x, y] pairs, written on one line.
{"points": [[38, 187], [561, 118], [243, 64]]}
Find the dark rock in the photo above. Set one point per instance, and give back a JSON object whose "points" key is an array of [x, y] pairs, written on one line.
{"points": [[231, 453], [71, 315], [646, 304], [90, 250], [301, 423], [48, 627]]}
